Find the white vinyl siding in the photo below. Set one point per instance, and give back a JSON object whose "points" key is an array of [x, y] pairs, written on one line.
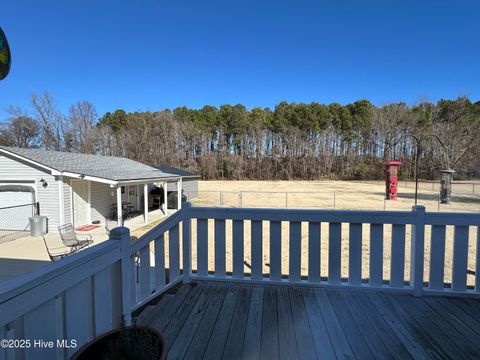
{"points": [[67, 200], [189, 186], [101, 200]]}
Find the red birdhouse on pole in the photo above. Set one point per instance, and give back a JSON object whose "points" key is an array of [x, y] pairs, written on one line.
{"points": [[391, 179]]}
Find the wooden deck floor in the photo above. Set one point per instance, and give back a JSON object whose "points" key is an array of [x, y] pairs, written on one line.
{"points": [[232, 321]]}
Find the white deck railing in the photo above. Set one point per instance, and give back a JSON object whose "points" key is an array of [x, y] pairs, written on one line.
{"points": [[418, 219], [91, 292], [77, 299]]}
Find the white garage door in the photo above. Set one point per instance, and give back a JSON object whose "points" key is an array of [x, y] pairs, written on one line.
{"points": [[15, 206]]}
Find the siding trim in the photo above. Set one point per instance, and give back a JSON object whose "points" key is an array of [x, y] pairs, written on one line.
{"points": [[60, 198], [89, 200]]}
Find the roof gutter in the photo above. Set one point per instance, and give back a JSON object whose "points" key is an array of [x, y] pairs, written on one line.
{"points": [[147, 181], [90, 178]]}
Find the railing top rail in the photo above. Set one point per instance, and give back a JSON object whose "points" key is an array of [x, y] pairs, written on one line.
{"points": [[465, 219], [158, 230], [336, 216], [23, 283]]}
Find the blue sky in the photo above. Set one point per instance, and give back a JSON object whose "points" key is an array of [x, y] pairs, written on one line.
{"points": [[148, 55]]}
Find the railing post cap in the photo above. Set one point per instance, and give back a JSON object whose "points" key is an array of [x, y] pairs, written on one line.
{"points": [[120, 233], [418, 208]]}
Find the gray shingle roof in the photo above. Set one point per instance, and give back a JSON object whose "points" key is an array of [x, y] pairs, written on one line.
{"points": [[176, 171], [105, 167]]}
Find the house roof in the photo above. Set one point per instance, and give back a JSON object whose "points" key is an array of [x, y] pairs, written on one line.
{"points": [[116, 169], [176, 171]]}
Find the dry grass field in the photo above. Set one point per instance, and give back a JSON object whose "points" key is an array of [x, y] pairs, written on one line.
{"points": [[319, 194]]}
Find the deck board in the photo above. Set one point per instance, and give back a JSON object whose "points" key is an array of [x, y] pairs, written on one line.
{"points": [[269, 345], [199, 343], [286, 331], [221, 320], [216, 345], [236, 333], [253, 332]]}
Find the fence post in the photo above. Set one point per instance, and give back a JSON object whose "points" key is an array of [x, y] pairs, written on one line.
{"points": [[187, 242], [122, 234], [417, 250]]}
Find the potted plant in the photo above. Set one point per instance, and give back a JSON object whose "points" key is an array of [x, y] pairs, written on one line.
{"points": [[126, 343]]}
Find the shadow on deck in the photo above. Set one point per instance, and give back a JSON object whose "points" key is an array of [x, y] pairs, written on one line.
{"points": [[234, 321]]}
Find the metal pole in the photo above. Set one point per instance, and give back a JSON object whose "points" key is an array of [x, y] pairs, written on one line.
{"points": [[416, 171]]}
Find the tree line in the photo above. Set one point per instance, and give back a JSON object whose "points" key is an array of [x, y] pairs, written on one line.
{"points": [[290, 141]]}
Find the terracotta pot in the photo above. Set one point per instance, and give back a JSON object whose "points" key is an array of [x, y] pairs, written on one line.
{"points": [[96, 348]]}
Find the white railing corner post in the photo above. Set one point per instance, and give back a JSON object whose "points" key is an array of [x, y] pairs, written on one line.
{"points": [[417, 250], [122, 234], [187, 242]]}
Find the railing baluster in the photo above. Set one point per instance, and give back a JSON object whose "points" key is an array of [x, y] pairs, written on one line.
{"points": [[295, 251], [187, 243], [460, 258], [257, 251], [314, 254], [477, 262], [397, 271], [376, 254], [275, 250], [355, 254], [238, 243], [220, 252], [159, 263], [174, 253], [202, 247], [144, 275], [437, 257], [334, 252], [417, 250]]}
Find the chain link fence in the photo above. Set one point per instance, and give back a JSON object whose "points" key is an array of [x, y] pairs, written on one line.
{"points": [[14, 223], [335, 200], [458, 187]]}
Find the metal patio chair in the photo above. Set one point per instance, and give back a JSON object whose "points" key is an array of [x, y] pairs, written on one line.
{"points": [[55, 256], [73, 240]]}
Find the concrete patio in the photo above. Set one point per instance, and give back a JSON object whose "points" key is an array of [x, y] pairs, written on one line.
{"points": [[23, 253]]}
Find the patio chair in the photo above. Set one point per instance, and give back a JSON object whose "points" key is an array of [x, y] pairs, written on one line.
{"points": [[71, 239], [55, 256]]}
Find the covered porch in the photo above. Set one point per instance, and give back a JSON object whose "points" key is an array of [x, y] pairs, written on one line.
{"points": [[133, 198]]}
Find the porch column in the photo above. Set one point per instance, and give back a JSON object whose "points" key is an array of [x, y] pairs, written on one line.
{"points": [[138, 193], [179, 193], [165, 200], [145, 202], [119, 206]]}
